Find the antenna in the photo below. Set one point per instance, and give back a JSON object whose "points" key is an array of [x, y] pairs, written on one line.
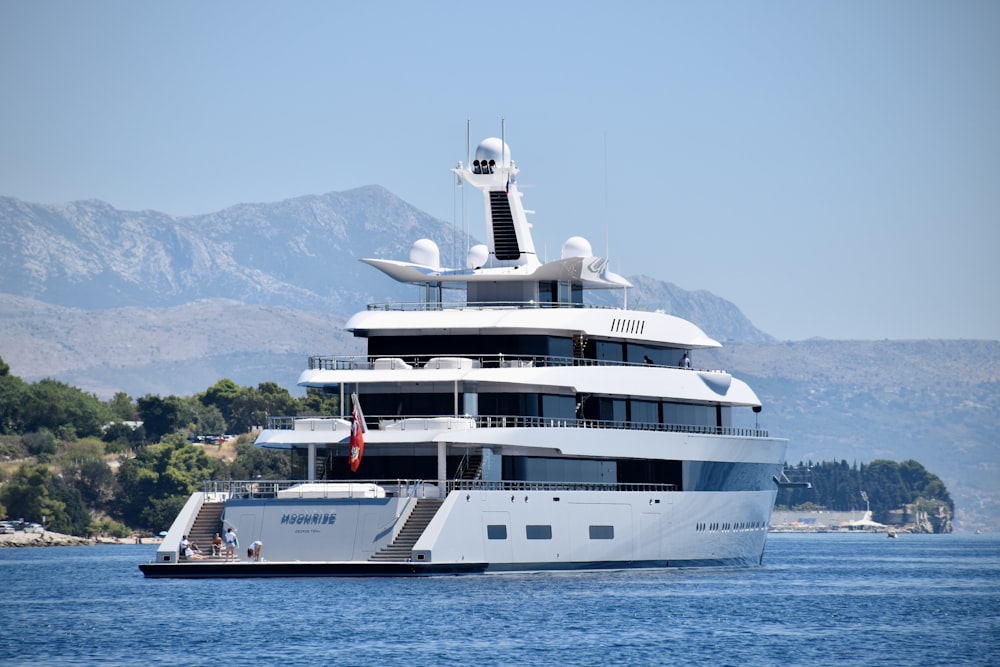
{"points": [[503, 142], [607, 237], [465, 213]]}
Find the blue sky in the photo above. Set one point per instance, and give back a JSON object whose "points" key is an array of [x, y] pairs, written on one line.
{"points": [[831, 168]]}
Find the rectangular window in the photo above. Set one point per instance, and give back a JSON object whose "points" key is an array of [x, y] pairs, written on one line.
{"points": [[611, 409], [496, 532], [602, 532], [538, 532], [609, 351], [644, 412], [558, 407]]}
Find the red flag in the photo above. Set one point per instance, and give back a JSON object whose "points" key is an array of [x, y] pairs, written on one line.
{"points": [[357, 439]]}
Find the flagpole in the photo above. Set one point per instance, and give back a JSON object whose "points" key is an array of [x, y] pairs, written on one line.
{"points": [[357, 411], [356, 447]]}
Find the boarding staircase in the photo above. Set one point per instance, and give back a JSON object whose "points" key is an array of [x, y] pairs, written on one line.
{"points": [[399, 550], [206, 525]]}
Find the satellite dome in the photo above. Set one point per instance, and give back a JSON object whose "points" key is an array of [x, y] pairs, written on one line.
{"points": [[493, 149], [576, 246], [425, 252], [478, 254]]}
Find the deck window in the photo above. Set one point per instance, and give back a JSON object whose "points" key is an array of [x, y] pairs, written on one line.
{"points": [[496, 531], [536, 532], [609, 350], [470, 346], [551, 406], [408, 404], [602, 532], [540, 469], [644, 412]]}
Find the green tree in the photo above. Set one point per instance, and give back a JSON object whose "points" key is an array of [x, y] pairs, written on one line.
{"points": [[257, 463], [84, 469], [12, 400], [885, 488], [199, 418], [76, 520], [35, 494], [58, 407], [122, 408], [889, 485], [124, 437], [41, 444], [254, 405], [157, 482], [95, 481], [222, 395], [318, 402], [159, 416], [277, 400]]}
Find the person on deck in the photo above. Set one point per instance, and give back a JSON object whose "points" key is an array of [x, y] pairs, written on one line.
{"points": [[231, 544], [217, 545]]}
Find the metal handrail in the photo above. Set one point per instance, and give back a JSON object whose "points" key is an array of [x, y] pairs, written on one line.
{"points": [[379, 422], [482, 305], [523, 485], [346, 488], [412, 488], [460, 469], [417, 361]]}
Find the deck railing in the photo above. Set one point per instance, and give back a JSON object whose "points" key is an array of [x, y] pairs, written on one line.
{"points": [[434, 361], [521, 486], [423, 422], [416, 488], [347, 488], [482, 305]]}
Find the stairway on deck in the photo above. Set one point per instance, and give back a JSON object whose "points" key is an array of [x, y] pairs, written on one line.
{"points": [[473, 468], [401, 547], [206, 525]]}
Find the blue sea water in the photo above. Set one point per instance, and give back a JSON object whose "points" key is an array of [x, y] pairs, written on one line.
{"points": [[817, 600]]}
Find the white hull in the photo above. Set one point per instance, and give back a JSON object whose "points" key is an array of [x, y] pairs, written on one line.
{"points": [[655, 529], [573, 529]]}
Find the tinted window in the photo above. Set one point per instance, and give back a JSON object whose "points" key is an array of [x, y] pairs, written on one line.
{"points": [[538, 532], [602, 532], [496, 532]]}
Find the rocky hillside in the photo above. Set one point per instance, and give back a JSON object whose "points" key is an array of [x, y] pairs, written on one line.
{"points": [[301, 253], [298, 253]]}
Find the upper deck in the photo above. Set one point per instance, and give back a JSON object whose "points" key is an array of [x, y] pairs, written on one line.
{"points": [[531, 373], [529, 318]]}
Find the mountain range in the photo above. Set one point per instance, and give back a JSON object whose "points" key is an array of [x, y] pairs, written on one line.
{"points": [[144, 302]]}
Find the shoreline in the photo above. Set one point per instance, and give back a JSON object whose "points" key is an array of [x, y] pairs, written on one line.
{"points": [[50, 539]]}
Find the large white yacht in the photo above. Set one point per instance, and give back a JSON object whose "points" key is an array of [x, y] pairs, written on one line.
{"points": [[517, 428]]}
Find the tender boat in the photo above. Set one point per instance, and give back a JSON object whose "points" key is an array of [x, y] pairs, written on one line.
{"points": [[503, 424]]}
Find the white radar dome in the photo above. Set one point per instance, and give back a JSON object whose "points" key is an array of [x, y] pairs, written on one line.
{"points": [[576, 246], [478, 255], [425, 252], [493, 149]]}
